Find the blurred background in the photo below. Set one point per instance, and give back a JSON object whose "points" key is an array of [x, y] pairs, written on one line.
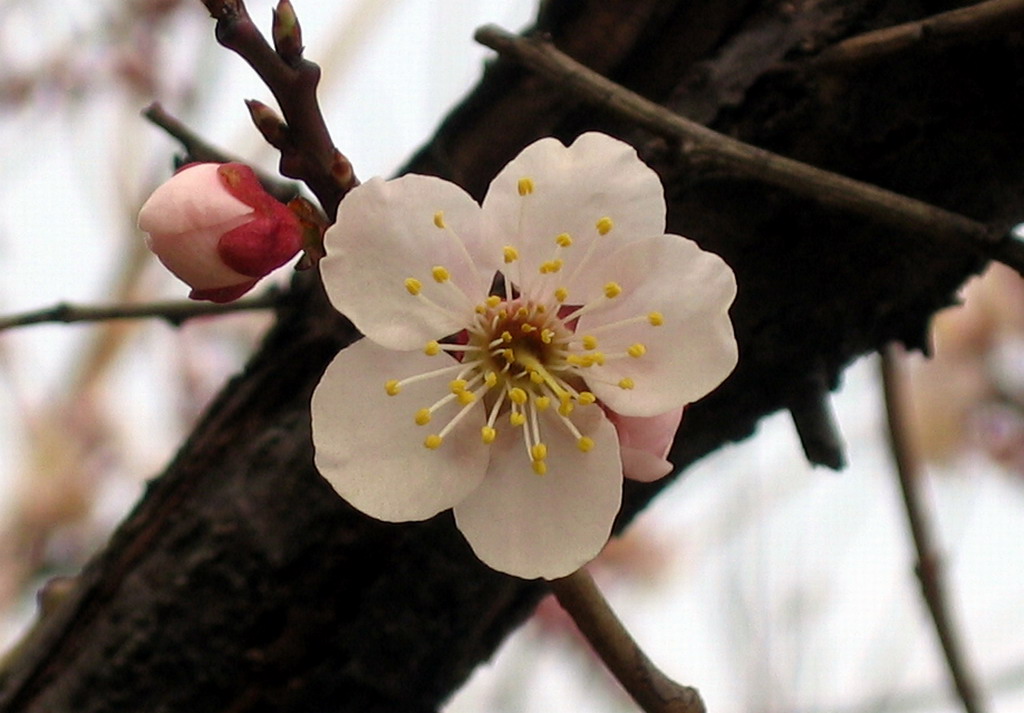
{"points": [[769, 585]]}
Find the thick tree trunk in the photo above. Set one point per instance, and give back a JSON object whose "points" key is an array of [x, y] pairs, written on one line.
{"points": [[242, 583]]}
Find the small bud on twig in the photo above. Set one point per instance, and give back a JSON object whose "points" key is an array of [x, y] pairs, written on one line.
{"points": [[273, 128], [341, 171], [287, 33]]}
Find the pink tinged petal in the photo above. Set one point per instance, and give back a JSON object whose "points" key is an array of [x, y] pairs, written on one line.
{"points": [[687, 356], [369, 448], [195, 198], [573, 188], [645, 443], [194, 259], [387, 232], [548, 526]]}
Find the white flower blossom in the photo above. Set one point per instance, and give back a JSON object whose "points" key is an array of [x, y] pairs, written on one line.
{"points": [[500, 338]]}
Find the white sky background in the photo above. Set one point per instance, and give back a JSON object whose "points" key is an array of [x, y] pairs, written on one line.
{"points": [[775, 587]]}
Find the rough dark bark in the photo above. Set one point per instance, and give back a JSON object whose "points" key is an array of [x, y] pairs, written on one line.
{"points": [[241, 583]]}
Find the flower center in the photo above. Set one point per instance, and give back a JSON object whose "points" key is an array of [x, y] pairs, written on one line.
{"points": [[520, 356]]}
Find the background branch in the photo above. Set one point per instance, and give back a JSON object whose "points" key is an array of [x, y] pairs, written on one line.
{"points": [[176, 312], [929, 562], [968, 24], [198, 149], [700, 145]]}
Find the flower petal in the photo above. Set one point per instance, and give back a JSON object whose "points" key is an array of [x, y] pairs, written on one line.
{"points": [[573, 188], [193, 256], [387, 232], [686, 357], [547, 526], [369, 448], [645, 442], [194, 198]]}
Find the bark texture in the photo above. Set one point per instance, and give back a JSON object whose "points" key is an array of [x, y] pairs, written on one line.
{"points": [[241, 583]]}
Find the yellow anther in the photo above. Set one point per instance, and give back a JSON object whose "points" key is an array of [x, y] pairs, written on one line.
{"points": [[432, 348], [546, 335], [522, 313], [551, 266], [612, 290], [586, 398], [541, 309], [517, 395], [564, 240], [506, 337], [480, 309], [439, 219], [605, 225], [539, 451], [626, 383], [493, 301], [517, 418], [423, 417], [561, 294], [508, 355], [656, 319], [511, 254], [392, 387], [526, 328], [525, 186], [574, 359], [637, 350], [491, 379], [433, 441], [536, 378], [590, 342], [488, 434], [598, 358], [565, 408], [413, 285], [585, 444], [466, 397], [542, 402], [440, 274], [539, 467], [457, 385]]}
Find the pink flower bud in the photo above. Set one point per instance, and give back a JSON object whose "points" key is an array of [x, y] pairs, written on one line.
{"points": [[217, 230]]}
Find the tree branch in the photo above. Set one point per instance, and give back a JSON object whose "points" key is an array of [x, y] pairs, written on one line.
{"points": [[972, 23], [929, 562], [309, 153], [176, 312], [653, 691], [702, 146]]}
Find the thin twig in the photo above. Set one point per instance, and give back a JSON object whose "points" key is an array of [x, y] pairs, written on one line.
{"points": [[966, 24], [175, 312], [309, 154], [198, 149], [653, 691], [929, 562], [700, 146]]}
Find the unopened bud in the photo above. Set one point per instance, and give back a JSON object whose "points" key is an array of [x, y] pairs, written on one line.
{"points": [[287, 33], [217, 229], [273, 128]]}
